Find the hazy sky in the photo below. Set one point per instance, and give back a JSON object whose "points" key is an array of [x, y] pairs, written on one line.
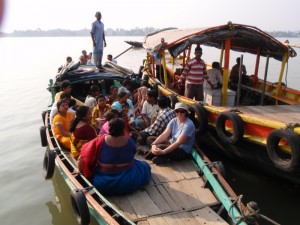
{"points": [[267, 15]]}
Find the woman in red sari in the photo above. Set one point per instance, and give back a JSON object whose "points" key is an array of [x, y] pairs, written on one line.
{"points": [[81, 130]]}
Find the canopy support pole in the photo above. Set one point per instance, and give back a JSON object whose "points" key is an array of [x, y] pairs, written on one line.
{"points": [[226, 71]]}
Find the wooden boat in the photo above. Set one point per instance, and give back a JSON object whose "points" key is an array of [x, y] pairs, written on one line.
{"points": [[259, 123], [137, 44], [191, 191]]}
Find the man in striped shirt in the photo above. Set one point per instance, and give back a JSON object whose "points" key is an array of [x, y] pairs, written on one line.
{"points": [[194, 73]]}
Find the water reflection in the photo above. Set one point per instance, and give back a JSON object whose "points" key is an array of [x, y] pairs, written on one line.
{"points": [[61, 208]]}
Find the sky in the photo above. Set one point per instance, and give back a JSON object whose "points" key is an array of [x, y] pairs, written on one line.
{"points": [[267, 15]]}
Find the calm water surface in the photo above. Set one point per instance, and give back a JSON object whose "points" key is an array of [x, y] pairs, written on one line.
{"points": [[27, 64]]}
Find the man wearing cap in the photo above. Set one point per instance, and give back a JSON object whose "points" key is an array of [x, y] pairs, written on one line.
{"points": [[177, 140], [194, 73]]}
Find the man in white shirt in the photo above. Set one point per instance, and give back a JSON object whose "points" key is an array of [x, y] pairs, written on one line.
{"points": [[149, 111]]}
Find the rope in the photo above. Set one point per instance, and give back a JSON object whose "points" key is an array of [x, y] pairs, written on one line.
{"points": [[249, 216]]}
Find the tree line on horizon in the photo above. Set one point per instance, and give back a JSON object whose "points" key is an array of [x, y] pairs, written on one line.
{"points": [[110, 32]]}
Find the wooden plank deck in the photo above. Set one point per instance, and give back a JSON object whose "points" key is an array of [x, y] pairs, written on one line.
{"points": [[279, 113], [174, 195]]}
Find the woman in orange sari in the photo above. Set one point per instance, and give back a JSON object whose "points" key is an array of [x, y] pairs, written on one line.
{"points": [[61, 124], [81, 130]]}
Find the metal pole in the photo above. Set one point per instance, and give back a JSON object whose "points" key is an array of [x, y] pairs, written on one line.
{"points": [[265, 81], [240, 82]]}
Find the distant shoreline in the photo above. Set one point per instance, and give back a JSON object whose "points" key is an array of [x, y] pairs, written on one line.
{"points": [[111, 32]]}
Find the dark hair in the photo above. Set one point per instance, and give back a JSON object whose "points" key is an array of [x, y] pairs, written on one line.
{"points": [[121, 94], [94, 88], [125, 104], [80, 114], [126, 82], [163, 102], [72, 102], [112, 114], [65, 95], [144, 83], [59, 103], [216, 65], [64, 85], [100, 96], [198, 48], [112, 87], [116, 127], [152, 94]]}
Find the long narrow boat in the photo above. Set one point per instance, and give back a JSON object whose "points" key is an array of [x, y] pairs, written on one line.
{"points": [[191, 191], [137, 44], [259, 123]]}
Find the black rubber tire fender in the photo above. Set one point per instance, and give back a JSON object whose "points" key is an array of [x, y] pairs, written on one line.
{"points": [[43, 136], [173, 100], [293, 140], [199, 116], [49, 164], [44, 116], [80, 207], [237, 127]]}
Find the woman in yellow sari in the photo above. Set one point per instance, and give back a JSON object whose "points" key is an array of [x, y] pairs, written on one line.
{"points": [[61, 124], [81, 130]]}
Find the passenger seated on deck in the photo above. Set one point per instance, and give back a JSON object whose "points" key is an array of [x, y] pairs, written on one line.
{"points": [[126, 85], [84, 57], [140, 97], [165, 115], [176, 142], [90, 61], [111, 115], [113, 94], [65, 87], [67, 66], [234, 74], [61, 124], [149, 111], [215, 76], [123, 97], [117, 172], [63, 97], [81, 130], [100, 112], [111, 59], [90, 99]]}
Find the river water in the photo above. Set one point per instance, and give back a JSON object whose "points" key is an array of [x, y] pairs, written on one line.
{"points": [[27, 64]]}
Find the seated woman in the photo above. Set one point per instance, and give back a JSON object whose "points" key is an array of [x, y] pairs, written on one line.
{"points": [[81, 130], [117, 171], [61, 124], [100, 112], [176, 142], [90, 99], [111, 115], [123, 97], [113, 94]]}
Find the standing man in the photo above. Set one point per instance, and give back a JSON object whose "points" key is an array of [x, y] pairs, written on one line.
{"points": [[98, 38], [194, 73]]}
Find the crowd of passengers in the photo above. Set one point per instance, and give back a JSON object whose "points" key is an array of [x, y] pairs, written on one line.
{"points": [[109, 127]]}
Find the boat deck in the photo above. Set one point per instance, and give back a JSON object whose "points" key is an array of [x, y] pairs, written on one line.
{"points": [[281, 113], [174, 195]]}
